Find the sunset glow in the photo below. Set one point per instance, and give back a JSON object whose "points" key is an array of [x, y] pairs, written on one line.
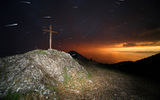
{"points": [[149, 49], [107, 31], [117, 53]]}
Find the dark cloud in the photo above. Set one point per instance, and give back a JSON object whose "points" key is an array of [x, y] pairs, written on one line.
{"points": [[130, 44], [151, 35], [152, 52], [133, 44]]}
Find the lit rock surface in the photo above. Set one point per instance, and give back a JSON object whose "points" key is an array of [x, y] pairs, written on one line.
{"points": [[35, 70]]}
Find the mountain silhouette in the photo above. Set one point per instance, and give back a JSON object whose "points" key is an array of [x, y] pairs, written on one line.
{"points": [[147, 67], [78, 56]]}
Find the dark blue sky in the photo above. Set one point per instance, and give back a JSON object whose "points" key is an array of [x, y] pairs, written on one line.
{"points": [[78, 22]]}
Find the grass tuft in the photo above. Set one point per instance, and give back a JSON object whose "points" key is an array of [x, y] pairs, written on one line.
{"points": [[41, 52], [67, 78]]}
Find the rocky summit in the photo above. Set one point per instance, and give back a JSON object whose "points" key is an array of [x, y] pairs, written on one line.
{"points": [[55, 75], [40, 73]]}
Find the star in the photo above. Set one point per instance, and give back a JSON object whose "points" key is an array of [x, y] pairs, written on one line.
{"points": [[10, 25], [75, 7], [118, 3], [47, 17], [26, 2], [121, 0]]}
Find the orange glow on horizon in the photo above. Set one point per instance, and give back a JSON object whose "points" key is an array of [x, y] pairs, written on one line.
{"points": [[131, 53], [116, 53], [135, 49]]}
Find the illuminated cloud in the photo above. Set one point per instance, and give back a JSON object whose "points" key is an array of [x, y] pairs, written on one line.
{"points": [[129, 44], [146, 49]]}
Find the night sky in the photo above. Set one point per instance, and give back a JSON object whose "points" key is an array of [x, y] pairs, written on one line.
{"points": [[108, 31]]}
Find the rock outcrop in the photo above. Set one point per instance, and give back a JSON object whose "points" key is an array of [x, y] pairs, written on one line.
{"points": [[38, 71]]}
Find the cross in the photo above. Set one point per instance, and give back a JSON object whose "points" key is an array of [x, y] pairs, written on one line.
{"points": [[50, 35]]}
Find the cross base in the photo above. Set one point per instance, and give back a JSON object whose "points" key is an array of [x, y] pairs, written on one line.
{"points": [[50, 49]]}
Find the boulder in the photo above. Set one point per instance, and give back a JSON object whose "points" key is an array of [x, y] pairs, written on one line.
{"points": [[36, 70]]}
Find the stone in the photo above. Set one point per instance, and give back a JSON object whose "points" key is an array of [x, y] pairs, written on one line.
{"points": [[123, 93], [35, 70]]}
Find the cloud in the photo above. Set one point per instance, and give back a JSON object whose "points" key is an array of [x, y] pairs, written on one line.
{"points": [[151, 35], [140, 50], [153, 52], [134, 44], [130, 44]]}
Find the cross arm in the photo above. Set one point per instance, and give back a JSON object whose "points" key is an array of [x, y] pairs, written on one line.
{"points": [[46, 30], [55, 32]]}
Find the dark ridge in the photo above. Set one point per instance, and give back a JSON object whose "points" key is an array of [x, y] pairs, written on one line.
{"points": [[85, 61], [78, 56], [147, 67]]}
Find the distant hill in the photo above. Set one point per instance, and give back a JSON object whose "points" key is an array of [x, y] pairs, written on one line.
{"points": [[78, 56], [83, 60], [147, 67]]}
